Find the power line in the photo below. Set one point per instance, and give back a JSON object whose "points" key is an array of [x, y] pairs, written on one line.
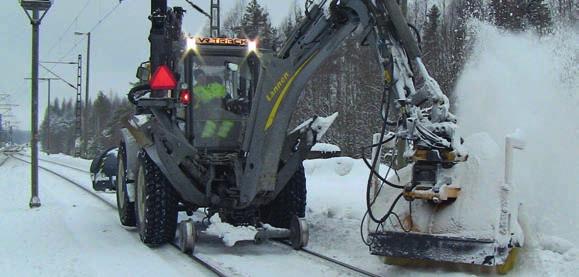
{"points": [[57, 76], [91, 30], [105, 17], [75, 20]]}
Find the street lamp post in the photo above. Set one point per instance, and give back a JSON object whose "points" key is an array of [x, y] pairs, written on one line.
{"points": [[36, 7], [87, 81]]}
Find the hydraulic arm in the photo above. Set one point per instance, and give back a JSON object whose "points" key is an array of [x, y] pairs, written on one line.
{"points": [[380, 24]]}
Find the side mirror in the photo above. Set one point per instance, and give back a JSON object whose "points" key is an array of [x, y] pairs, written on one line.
{"points": [[144, 72], [233, 67]]}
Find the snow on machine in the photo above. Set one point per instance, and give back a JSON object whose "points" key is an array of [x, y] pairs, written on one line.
{"points": [[434, 212], [103, 170]]}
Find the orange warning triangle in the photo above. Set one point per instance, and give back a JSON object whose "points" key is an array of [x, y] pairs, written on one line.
{"points": [[163, 79]]}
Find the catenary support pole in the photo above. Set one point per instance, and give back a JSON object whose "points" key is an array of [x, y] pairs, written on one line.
{"points": [[48, 116], [34, 199], [35, 20], [86, 115]]}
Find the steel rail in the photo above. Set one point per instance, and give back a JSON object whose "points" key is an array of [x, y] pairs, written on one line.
{"points": [[195, 258], [200, 261], [332, 260], [57, 163]]}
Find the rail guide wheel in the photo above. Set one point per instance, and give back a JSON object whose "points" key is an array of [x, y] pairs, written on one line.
{"points": [[299, 233], [186, 236]]}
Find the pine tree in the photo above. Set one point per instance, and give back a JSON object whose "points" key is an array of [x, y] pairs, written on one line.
{"points": [[112, 130], [509, 14], [102, 110], [256, 24], [293, 20], [456, 41], [539, 16], [565, 10], [43, 131], [232, 21], [432, 44]]}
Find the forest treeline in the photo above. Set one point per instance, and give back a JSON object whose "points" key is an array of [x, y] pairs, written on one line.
{"points": [[349, 82]]}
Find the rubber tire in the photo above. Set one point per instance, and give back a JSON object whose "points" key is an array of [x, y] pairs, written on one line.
{"points": [[290, 202], [158, 223], [125, 208]]}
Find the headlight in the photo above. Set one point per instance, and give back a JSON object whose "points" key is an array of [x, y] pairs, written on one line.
{"points": [[251, 46], [191, 44]]}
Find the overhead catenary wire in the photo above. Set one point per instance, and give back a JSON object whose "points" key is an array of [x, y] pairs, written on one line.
{"points": [[92, 29], [78, 42], [75, 20], [200, 10], [57, 76]]}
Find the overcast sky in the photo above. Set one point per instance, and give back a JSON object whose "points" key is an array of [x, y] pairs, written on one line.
{"points": [[118, 45]]}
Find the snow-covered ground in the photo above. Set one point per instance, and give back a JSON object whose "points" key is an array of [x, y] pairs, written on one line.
{"points": [[71, 234], [335, 206]]}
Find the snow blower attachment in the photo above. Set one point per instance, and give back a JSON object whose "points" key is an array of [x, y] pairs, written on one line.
{"points": [[456, 212]]}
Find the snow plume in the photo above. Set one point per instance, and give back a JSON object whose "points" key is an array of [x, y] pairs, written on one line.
{"points": [[522, 81]]}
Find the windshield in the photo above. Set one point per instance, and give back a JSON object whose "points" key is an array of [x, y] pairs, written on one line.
{"points": [[221, 77], [222, 88]]}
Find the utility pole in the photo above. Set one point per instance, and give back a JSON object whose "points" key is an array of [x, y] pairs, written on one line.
{"points": [[5, 113], [78, 126], [86, 95], [36, 6], [47, 112], [34, 199]]}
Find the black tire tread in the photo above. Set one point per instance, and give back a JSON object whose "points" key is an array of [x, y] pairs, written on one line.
{"points": [[127, 214], [161, 206], [290, 202]]}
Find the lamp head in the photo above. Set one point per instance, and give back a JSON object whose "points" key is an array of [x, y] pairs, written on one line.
{"points": [[39, 5]]}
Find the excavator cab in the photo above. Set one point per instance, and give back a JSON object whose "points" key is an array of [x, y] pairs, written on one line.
{"points": [[222, 75]]}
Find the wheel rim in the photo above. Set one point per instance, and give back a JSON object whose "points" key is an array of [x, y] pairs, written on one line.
{"points": [[121, 184], [186, 236], [141, 196], [299, 233]]}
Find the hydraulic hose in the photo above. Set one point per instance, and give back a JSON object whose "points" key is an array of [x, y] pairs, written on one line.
{"points": [[376, 159], [136, 89]]}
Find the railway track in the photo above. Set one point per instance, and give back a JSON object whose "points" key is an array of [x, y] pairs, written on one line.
{"points": [[56, 163], [205, 263]]}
